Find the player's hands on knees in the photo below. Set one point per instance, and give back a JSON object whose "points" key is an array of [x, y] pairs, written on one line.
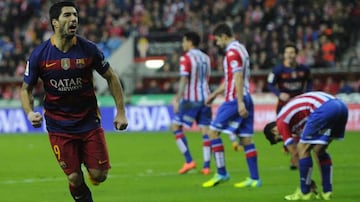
{"points": [[285, 150], [284, 96], [35, 119]]}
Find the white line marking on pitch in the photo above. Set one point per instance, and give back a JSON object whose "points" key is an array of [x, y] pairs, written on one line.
{"points": [[147, 173]]}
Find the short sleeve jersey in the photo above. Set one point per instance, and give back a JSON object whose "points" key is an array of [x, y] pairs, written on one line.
{"points": [[70, 103], [294, 81], [236, 59], [195, 65], [293, 116]]}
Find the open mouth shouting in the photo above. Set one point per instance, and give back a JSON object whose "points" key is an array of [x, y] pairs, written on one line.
{"points": [[73, 28]]}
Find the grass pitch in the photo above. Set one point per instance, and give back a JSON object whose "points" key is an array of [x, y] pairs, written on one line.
{"points": [[144, 169]]}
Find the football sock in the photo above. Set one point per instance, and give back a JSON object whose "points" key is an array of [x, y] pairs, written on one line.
{"points": [[206, 150], [305, 168], [326, 171], [251, 159], [81, 193], [218, 150], [182, 144]]}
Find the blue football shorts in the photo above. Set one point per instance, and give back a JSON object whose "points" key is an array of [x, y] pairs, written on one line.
{"points": [[189, 112], [326, 123], [228, 119]]}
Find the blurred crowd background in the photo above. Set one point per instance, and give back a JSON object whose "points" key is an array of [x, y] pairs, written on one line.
{"points": [[326, 33]]}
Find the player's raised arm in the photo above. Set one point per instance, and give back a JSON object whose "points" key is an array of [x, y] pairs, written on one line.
{"points": [[120, 121]]}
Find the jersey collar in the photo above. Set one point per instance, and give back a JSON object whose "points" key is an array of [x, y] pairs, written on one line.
{"points": [[52, 40]]}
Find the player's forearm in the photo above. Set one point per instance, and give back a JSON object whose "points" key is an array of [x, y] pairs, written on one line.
{"points": [[271, 80], [27, 99], [220, 89], [239, 86], [294, 153], [181, 88], [115, 89], [117, 92], [274, 90], [284, 130]]}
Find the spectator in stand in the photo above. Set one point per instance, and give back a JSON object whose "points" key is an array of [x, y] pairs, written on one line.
{"points": [[153, 87], [330, 86], [139, 88], [354, 60], [113, 43], [328, 49], [264, 61], [317, 85], [7, 93], [354, 21], [167, 88], [345, 87], [309, 54]]}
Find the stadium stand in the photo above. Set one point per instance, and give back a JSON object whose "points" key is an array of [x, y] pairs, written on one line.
{"points": [[326, 33]]}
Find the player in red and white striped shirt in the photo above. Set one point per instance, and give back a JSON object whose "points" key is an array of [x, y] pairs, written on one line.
{"points": [[189, 103], [313, 120], [236, 114]]}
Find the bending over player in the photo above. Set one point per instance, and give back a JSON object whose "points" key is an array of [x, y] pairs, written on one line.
{"points": [[316, 118]]}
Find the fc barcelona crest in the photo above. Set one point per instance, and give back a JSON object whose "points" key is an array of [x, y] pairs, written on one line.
{"points": [[80, 63], [65, 63]]}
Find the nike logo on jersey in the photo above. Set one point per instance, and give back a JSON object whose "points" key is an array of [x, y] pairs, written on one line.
{"points": [[50, 65], [102, 162]]}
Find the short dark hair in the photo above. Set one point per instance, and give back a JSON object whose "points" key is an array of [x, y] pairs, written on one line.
{"points": [[223, 28], [290, 45], [268, 132], [55, 9], [193, 37]]}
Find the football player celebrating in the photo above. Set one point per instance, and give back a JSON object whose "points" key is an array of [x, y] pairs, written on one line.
{"points": [[65, 64]]}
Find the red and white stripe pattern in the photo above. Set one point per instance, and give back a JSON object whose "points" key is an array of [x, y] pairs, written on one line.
{"points": [[196, 65], [236, 59], [292, 117]]}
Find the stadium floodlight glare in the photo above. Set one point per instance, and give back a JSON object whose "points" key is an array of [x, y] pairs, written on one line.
{"points": [[154, 63]]}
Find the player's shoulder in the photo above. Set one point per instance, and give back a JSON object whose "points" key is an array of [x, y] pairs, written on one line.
{"points": [[202, 53], [279, 68], [38, 50], [236, 49], [303, 67], [85, 42], [184, 57], [232, 52]]}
